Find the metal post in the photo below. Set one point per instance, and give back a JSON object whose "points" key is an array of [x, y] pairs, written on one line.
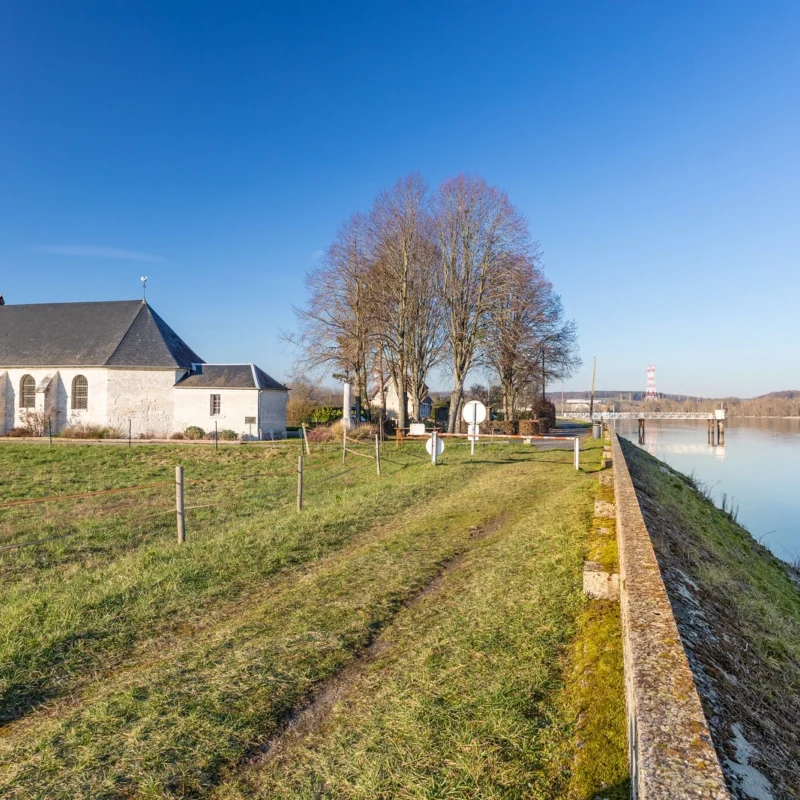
{"points": [[474, 427], [344, 444], [378, 453], [300, 482], [216, 435], [577, 453], [434, 441], [50, 430], [305, 439], [179, 508], [129, 433]]}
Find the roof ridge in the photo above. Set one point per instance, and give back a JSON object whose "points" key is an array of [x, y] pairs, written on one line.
{"points": [[127, 330]]}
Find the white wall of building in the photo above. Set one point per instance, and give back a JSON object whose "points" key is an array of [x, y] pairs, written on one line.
{"points": [[54, 395], [147, 398], [193, 407], [143, 396], [272, 412], [5, 398]]}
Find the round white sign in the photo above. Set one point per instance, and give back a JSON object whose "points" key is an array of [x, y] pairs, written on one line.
{"points": [[439, 446], [474, 412]]}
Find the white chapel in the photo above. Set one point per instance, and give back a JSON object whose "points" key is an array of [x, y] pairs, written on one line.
{"points": [[118, 363]]}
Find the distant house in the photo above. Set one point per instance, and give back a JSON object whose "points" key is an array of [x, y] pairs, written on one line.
{"points": [[118, 363], [393, 402], [577, 404]]}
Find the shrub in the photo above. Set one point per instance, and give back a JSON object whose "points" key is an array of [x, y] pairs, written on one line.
{"points": [[194, 432], [33, 422], [325, 415], [147, 435], [177, 435], [16, 433], [530, 427], [84, 431], [363, 432], [321, 433], [228, 435]]}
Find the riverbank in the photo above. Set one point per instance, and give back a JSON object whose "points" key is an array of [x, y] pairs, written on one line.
{"points": [[738, 612]]}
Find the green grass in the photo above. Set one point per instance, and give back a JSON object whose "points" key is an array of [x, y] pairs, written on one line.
{"points": [[132, 667]]}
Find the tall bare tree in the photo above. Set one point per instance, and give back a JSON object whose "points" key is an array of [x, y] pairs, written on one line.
{"points": [[480, 234], [335, 324], [397, 224], [525, 331]]}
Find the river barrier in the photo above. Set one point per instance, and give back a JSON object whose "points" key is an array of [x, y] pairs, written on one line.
{"points": [[669, 741]]}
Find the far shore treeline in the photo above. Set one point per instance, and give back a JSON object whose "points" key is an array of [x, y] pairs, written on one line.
{"points": [[427, 278]]}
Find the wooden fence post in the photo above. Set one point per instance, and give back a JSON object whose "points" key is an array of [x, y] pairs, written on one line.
{"points": [[216, 435], [129, 433], [50, 429], [577, 452], [305, 438], [300, 482], [378, 453], [344, 443], [179, 507]]}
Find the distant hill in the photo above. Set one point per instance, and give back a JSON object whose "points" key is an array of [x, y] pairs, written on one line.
{"points": [[786, 394]]}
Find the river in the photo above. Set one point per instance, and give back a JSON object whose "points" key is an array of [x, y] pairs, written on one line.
{"points": [[757, 470]]}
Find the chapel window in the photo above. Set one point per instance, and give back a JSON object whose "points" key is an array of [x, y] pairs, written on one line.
{"points": [[216, 404], [27, 392], [80, 393]]}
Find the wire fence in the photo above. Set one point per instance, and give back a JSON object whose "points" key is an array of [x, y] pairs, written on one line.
{"points": [[270, 490]]}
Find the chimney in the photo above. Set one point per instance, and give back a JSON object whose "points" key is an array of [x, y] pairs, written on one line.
{"points": [[2, 302]]}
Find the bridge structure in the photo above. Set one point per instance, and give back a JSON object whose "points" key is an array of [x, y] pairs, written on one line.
{"points": [[715, 419]]}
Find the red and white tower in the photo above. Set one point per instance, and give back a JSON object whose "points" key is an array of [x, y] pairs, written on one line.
{"points": [[651, 382]]}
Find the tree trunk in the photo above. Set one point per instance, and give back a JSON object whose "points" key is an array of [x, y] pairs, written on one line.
{"points": [[455, 404]]}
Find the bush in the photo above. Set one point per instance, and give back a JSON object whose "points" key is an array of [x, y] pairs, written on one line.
{"points": [[321, 433], [33, 422], [84, 431], [530, 427], [228, 435], [325, 415], [194, 432], [147, 435], [16, 433], [177, 435]]}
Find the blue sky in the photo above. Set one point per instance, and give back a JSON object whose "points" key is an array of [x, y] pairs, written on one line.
{"points": [[215, 147]]}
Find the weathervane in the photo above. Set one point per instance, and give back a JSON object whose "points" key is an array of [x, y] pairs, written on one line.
{"points": [[143, 279]]}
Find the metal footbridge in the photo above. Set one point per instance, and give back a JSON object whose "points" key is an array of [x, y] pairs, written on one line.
{"points": [[604, 416]]}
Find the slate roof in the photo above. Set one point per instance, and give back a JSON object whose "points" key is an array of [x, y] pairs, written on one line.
{"points": [[229, 376], [119, 333]]}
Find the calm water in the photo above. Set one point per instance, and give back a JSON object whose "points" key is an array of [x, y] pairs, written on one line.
{"points": [[758, 467]]}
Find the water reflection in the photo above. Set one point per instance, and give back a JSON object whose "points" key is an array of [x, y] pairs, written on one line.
{"points": [[756, 469]]}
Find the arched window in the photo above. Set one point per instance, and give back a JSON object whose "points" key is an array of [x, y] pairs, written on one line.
{"points": [[80, 392], [27, 392]]}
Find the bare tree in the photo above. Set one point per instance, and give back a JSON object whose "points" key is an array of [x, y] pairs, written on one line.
{"points": [[526, 332], [479, 234], [426, 345], [335, 332], [397, 226]]}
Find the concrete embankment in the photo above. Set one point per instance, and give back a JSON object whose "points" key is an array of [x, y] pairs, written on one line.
{"points": [[711, 626]]}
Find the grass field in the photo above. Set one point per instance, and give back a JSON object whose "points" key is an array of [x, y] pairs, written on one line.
{"points": [[422, 634]]}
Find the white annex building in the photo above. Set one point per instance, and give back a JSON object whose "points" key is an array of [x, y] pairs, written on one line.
{"points": [[115, 363]]}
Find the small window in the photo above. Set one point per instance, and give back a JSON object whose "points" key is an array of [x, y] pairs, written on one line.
{"points": [[80, 393], [27, 392], [216, 404]]}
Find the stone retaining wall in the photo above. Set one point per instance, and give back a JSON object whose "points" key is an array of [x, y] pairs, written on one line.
{"points": [[671, 751]]}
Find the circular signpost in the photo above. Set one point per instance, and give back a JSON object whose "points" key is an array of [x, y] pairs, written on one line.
{"points": [[474, 413], [439, 445]]}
